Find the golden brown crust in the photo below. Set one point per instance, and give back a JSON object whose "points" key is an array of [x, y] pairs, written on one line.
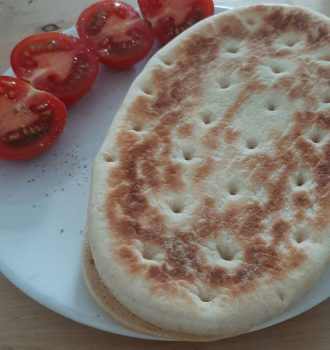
{"points": [[220, 187], [145, 160]]}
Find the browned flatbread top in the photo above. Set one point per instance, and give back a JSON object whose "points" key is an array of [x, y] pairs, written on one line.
{"points": [[218, 177], [148, 161]]}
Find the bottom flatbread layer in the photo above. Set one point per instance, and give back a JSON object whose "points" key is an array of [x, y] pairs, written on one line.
{"points": [[116, 310]]}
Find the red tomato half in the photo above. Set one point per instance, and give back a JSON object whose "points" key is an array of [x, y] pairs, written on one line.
{"points": [[169, 18], [57, 63], [30, 120], [122, 37]]}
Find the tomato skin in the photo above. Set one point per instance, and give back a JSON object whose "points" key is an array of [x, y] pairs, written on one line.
{"points": [[57, 63], [169, 18], [30, 120], [121, 36]]}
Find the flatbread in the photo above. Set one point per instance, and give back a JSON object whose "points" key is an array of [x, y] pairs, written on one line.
{"points": [[209, 206], [112, 306]]}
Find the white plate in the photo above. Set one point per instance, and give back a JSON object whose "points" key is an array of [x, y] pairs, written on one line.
{"points": [[43, 211]]}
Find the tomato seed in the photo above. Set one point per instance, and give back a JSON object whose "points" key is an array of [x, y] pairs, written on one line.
{"points": [[11, 94], [105, 42], [42, 107], [84, 65], [104, 52], [27, 134], [47, 113]]}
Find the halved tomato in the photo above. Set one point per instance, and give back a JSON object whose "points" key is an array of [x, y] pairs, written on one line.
{"points": [[169, 18], [57, 63], [122, 37], [30, 120]]}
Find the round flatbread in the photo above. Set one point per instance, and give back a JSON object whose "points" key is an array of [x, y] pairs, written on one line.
{"points": [[210, 199]]}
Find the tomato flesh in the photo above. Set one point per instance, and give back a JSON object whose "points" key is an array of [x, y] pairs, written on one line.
{"points": [[30, 120], [120, 35], [169, 18], [57, 63]]}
